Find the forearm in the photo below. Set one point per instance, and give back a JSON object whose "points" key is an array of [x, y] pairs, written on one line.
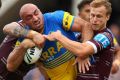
{"points": [[83, 27], [87, 32], [72, 46], [117, 53], [15, 58], [17, 30], [13, 29]]}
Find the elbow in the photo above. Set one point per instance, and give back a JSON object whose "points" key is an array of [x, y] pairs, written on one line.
{"points": [[10, 67], [5, 28], [9, 27]]}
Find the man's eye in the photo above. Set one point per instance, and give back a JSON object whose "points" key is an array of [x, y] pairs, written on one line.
{"points": [[28, 18], [36, 13], [99, 16]]}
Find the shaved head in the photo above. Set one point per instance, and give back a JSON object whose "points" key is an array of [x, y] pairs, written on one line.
{"points": [[32, 16], [25, 8]]}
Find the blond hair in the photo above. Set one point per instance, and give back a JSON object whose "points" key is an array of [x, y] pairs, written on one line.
{"points": [[105, 3]]}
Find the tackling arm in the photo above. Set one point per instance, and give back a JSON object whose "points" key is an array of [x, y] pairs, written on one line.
{"points": [[116, 62], [15, 58], [16, 30], [84, 27], [80, 49]]}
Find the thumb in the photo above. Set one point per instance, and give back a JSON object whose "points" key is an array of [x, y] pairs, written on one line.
{"points": [[75, 62]]}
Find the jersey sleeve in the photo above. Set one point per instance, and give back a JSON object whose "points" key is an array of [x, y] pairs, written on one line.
{"points": [[100, 41], [67, 21], [62, 18]]}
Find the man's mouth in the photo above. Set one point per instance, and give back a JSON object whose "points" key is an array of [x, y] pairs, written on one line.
{"points": [[37, 23]]}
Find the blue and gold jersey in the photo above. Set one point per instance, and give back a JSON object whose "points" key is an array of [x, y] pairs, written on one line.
{"points": [[54, 54], [55, 58]]}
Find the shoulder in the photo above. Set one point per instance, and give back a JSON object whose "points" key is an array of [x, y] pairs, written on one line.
{"points": [[55, 13], [104, 38]]}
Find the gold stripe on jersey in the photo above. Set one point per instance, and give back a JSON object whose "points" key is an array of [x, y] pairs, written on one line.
{"points": [[65, 71], [58, 61], [67, 21]]}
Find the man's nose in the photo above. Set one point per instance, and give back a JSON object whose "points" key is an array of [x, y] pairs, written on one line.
{"points": [[95, 19], [35, 18]]}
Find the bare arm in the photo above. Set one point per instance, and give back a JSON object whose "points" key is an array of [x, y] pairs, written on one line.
{"points": [[116, 62], [17, 30], [14, 29], [15, 58], [84, 27], [80, 49]]}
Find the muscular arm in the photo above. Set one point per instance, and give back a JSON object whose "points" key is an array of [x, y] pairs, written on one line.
{"points": [[84, 27], [15, 58], [80, 49], [117, 53], [16, 30]]}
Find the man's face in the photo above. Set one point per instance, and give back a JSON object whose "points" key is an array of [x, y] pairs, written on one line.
{"points": [[33, 17], [85, 12], [98, 17]]}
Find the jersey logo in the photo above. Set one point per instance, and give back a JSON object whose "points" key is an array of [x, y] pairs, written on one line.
{"points": [[102, 39]]}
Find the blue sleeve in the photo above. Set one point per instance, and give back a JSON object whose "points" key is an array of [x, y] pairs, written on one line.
{"points": [[62, 18], [56, 17], [102, 39]]}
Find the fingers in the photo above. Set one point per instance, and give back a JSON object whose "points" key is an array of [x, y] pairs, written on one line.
{"points": [[87, 66], [83, 67], [80, 68], [75, 62], [47, 37], [83, 64], [114, 68], [28, 43]]}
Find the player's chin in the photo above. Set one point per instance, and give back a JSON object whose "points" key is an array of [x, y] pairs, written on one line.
{"points": [[36, 27]]}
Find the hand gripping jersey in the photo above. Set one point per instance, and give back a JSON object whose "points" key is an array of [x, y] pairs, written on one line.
{"points": [[103, 57], [55, 58]]}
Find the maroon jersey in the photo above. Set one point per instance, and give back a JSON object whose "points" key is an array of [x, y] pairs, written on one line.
{"points": [[104, 48], [5, 48]]}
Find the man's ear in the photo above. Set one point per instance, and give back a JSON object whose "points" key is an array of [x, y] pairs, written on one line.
{"points": [[22, 23], [108, 17]]}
